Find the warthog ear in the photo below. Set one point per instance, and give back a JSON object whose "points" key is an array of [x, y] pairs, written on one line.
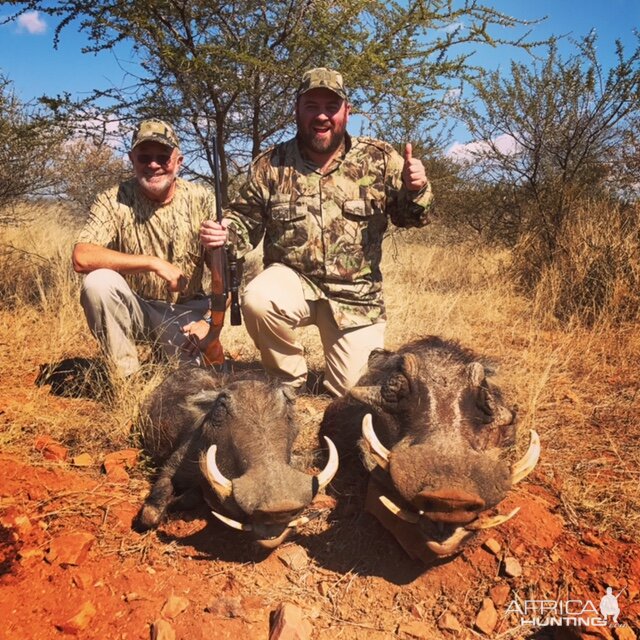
{"points": [[409, 366], [476, 373]]}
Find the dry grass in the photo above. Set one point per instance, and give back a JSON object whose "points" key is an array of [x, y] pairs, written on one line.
{"points": [[577, 387], [594, 274]]}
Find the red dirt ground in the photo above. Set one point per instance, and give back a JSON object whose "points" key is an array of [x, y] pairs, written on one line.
{"points": [[345, 572]]}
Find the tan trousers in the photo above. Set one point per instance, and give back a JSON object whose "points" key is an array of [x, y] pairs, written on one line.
{"points": [[273, 305], [119, 318]]}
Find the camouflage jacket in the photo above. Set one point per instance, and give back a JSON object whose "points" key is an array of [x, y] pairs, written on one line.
{"points": [[123, 219], [329, 228]]}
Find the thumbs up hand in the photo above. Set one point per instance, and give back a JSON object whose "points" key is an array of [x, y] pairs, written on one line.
{"points": [[413, 173]]}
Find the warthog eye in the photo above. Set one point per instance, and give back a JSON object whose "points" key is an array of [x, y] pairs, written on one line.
{"points": [[395, 388]]}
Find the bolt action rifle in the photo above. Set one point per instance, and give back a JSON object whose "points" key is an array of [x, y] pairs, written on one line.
{"points": [[225, 277]]}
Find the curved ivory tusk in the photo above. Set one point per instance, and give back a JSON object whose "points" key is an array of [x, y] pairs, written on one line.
{"points": [[378, 450], [331, 468], [234, 524], [451, 543], [221, 485], [488, 523], [527, 463], [298, 521], [403, 514]]}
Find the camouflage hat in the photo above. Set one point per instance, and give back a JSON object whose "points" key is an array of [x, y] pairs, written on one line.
{"points": [[154, 131], [322, 78]]}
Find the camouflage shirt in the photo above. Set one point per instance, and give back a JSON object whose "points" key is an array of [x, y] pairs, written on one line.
{"points": [[329, 228], [122, 218]]}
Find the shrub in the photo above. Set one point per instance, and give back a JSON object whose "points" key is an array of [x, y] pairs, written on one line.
{"points": [[594, 275]]}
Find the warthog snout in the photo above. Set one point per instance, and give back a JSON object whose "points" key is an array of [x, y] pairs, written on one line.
{"points": [[449, 505]]}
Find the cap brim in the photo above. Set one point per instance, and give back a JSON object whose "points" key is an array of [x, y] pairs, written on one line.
{"points": [[159, 139]]}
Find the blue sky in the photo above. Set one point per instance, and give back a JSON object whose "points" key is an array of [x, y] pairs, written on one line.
{"points": [[28, 58]]}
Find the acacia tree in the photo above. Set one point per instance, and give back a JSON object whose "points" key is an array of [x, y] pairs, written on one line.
{"points": [[27, 140], [570, 127], [230, 68]]}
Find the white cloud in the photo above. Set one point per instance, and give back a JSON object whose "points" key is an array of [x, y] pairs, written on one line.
{"points": [[453, 27], [504, 143], [32, 23]]}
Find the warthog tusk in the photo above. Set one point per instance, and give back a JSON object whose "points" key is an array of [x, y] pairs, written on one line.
{"points": [[234, 524], [403, 514], [488, 523], [378, 450], [221, 485], [527, 463], [331, 468], [298, 521], [450, 544]]}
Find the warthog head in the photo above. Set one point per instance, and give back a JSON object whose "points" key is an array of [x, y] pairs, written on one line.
{"points": [[233, 438], [443, 438], [249, 468]]}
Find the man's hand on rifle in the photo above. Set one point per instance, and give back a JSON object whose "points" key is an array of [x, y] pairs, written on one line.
{"points": [[213, 234], [200, 335]]}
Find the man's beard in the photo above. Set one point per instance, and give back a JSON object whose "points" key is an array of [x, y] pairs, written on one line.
{"points": [[324, 145], [156, 187]]}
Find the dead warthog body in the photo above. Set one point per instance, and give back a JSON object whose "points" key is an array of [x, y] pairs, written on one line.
{"points": [[438, 438], [232, 438]]}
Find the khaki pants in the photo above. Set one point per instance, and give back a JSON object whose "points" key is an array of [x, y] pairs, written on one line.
{"points": [[119, 318], [273, 305]]}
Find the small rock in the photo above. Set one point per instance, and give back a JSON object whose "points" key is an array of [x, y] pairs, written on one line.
{"points": [[492, 545], [42, 441], [18, 522], [512, 567], [70, 548], [624, 633], [487, 617], [448, 622], [23, 524], [294, 557], [162, 630], [37, 493], [133, 597], [55, 453], [174, 606], [82, 579], [125, 458], [288, 623], [417, 610], [31, 554], [124, 514], [226, 607], [500, 594], [82, 460], [80, 620], [416, 629], [324, 588], [117, 475], [591, 539]]}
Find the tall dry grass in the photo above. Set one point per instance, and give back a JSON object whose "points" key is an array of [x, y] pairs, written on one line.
{"points": [[578, 387], [593, 275]]}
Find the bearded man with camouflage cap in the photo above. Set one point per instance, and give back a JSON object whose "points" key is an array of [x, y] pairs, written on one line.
{"points": [[322, 201], [143, 261]]}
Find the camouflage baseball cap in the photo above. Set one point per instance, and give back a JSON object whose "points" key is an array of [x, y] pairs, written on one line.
{"points": [[155, 131], [322, 78]]}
